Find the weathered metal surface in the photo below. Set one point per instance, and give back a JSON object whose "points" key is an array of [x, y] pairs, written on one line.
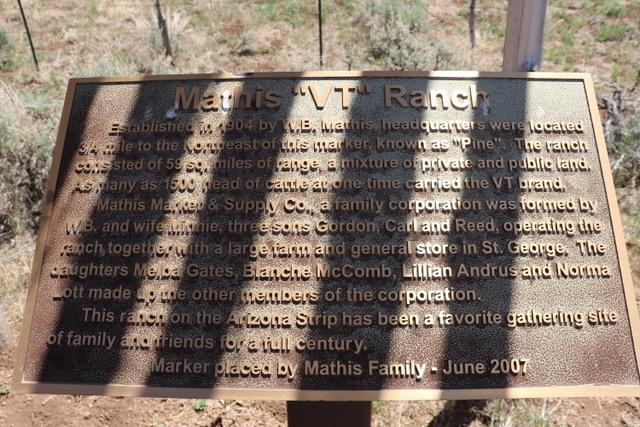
{"points": [[183, 216]]}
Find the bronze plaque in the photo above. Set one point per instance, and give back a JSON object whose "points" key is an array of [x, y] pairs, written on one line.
{"points": [[331, 236]]}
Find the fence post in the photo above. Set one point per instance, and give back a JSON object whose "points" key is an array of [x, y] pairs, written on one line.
{"points": [[320, 31], [162, 25], [26, 27]]}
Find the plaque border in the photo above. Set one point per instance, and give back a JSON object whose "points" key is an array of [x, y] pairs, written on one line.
{"points": [[587, 390]]}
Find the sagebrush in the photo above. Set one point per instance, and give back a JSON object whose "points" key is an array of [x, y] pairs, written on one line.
{"points": [[25, 155]]}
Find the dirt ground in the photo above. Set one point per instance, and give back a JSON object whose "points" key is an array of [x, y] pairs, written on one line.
{"points": [[88, 411]]}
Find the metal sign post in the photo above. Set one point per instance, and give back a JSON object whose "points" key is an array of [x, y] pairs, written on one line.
{"points": [[525, 34], [334, 414], [522, 52]]}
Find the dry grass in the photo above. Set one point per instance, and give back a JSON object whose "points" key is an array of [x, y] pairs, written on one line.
{"points": [[15, 268]]}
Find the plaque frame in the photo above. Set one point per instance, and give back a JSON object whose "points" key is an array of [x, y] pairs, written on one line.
{"points": [[20, 386]]}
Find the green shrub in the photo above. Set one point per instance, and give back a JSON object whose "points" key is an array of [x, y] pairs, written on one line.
{"points": [[395, 44], [25, 155], [200, 405], [615, 31], [624, 146], [622, 134], [614, 9], [568, 37], [7, 51], [555, 55], [287, 10], [396, 36], [523, 412]]}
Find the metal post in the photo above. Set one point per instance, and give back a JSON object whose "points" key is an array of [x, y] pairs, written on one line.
{"points": [[525, 34], [320, 29], [162, 25], [332, 414], [472, 23], [26, 27]]}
